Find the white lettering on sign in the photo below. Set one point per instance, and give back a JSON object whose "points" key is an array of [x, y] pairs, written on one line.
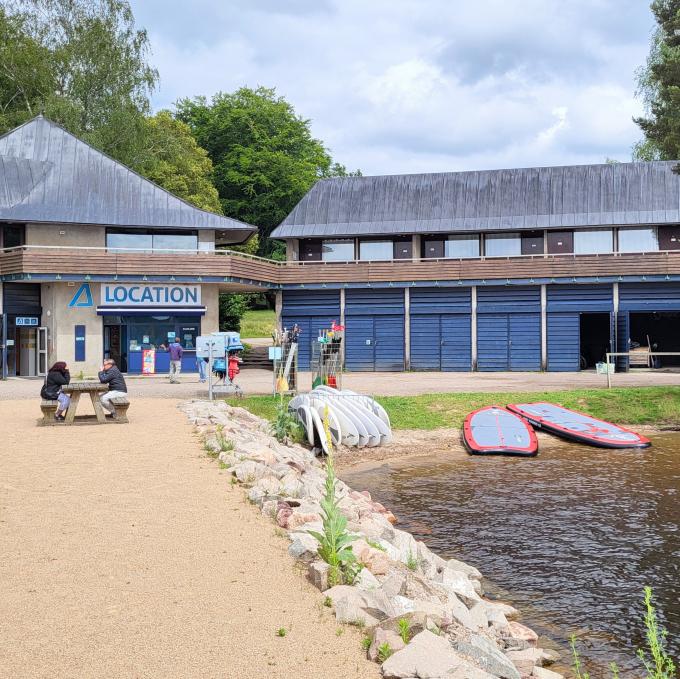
{"points": [[151, 295]]}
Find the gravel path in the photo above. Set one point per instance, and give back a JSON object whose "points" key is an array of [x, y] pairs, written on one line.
{"points": [[125, 552]]}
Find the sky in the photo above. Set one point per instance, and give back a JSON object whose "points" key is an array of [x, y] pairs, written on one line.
{"points": [[407, 86]]}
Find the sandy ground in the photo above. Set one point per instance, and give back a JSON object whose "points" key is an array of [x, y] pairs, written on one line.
{"points": [[256, 381], [125, 552]]}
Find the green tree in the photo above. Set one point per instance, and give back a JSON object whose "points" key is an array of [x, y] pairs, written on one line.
{"points": [[232, 308], [264, 155], [659, 87], [92, 73], [174, 160]]}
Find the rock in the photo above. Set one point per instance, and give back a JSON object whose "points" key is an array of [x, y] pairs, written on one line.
{"points": [[417, 620], [303, 547], [291, 485], [488, 656], [380, 637], [470, 571], [478, 616], [415, 586], [269, 508], [429, 656], [542, 673], [269, 484], [550, 656], [392, 584], [374, 559], [283, 513], [354, 605], [256, 495], [402, 605], [459, 583], [249, 471], [366, 580], [525, 660], [406, 545], [317, 572], [522, 633], [297, 519], [258, 453]]}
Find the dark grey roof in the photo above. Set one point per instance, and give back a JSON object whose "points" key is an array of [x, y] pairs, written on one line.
{"points": [[49, 175], [528, 198]]}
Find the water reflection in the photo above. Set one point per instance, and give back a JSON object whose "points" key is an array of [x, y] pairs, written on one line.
{"points": [[573, 535]]}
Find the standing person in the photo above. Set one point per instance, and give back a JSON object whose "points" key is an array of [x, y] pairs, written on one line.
{"points": [[202, 365], [58, 376], [117, 388], [176, 352]]}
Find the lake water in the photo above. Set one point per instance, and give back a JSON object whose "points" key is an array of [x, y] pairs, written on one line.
{"points": [[570, 537]]}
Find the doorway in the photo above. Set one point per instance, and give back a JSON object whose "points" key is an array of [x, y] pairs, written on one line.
{"points": [[659, 330], [115, 344], [595, 338], [26, 355]]}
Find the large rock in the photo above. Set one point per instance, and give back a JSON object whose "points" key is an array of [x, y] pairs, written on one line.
{"points": [[291, 485], [353, 605], [418, 621], [374, 559], [366, 580], [542, 673], [380, 637], [488, 656], [526, 659], [460, 584], [429, 656], [303, 547], [249, 471], [520, 632], [393, 582], [470, 571], [297, 519]]}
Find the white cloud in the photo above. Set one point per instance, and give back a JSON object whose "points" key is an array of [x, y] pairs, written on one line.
{"points": [[396, 86]]}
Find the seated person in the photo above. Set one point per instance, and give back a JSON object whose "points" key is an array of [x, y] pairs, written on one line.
{"points": [[117, 388], [58, 376]]}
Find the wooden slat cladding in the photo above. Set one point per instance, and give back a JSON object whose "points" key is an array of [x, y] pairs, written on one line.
{"points": [[98, 263]]}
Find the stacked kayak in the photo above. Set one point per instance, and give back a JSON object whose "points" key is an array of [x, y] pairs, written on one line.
{"points": [[353, 419], [495, 430]]}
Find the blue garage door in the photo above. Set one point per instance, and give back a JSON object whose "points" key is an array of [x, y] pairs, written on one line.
{"points": [[564, 304], [440, 341], [312, 310], [374, 330], [509, 328]]}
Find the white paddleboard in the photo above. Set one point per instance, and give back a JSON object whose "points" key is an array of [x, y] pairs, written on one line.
{"points": [[305, 416], [334, 425], [319, 431], [350, 432]]}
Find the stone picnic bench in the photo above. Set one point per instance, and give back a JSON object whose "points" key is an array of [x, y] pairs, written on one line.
{"points": [[75, 390]]}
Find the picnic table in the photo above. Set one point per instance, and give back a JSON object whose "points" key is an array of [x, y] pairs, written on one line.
{"points": [[76, 389]]}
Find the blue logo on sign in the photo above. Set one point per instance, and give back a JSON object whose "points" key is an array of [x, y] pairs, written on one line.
{"points": [[83, 297]]}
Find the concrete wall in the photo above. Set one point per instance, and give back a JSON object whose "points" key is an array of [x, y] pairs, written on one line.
{"points": [[292, 249], [74, 235], [210, 297], [61, 320], [206, 240]]}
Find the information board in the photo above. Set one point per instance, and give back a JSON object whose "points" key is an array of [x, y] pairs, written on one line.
{"points": [[148, 361], [203, 343]]}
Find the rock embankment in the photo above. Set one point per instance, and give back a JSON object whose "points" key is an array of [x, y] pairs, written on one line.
{"points": [[424, 616]]}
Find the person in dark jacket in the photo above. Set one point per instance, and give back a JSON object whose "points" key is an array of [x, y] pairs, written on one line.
{"points": [[117, 388], [58, 376]]}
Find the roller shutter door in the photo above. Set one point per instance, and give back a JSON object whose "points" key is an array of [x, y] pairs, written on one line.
{"points": [[374, 330], [564, 342], [509, 328], [441, 341], [312, 310], [645, 297]]}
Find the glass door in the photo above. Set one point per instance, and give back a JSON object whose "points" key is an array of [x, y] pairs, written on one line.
{"points": [[41, 367]]}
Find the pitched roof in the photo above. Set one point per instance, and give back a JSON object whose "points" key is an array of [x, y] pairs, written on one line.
{"points": [[527, 198], [49, 175]]}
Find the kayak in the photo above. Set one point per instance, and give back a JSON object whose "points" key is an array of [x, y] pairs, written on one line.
{"points": [[575, 426], [493, 430]]}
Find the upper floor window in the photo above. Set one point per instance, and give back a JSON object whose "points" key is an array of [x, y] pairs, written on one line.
{"points": [[593, 241], [502, 245], [338, 250], [638, 240], [462, 246], [12, 235], [376, 250], [132, 240]]}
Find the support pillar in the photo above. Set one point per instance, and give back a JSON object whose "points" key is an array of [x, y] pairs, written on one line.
{"points": [[544, 327], [342, 323], [278, 306], [473, 329], [407, 329]]}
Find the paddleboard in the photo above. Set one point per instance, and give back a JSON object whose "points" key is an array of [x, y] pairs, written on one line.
{"points": [[348, 430], [579, 427], [320, 439], [333, 424], [353, 419], [305, 417], [496, 431]]}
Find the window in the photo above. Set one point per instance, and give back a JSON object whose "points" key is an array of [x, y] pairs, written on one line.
{"points": [[593, 241], [638, 240], [502, 245], [154, 332], [462, 247], [12, 235], [376, 250], [341, 250], [126, 240]]}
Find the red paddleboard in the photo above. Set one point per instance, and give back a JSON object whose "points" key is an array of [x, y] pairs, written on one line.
{"points": [[496, 431], [579, 427]]}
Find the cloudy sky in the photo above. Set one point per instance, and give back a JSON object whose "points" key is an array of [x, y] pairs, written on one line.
{"points": [[397, 86]]}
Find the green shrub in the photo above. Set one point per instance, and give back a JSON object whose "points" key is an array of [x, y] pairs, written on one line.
{"points": [[384, 652], [404, 630], [285, 425]]}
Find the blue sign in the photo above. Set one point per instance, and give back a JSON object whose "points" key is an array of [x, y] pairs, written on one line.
{"points": [[80, 342], [26, 320], [150, 295], [83, 297]]}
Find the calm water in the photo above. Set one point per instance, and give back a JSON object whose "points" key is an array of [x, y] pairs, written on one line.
{"points": [[570, 537]]}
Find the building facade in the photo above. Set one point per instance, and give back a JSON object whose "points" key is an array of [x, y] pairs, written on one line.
{"points": [[527, 269], [96, 261]]}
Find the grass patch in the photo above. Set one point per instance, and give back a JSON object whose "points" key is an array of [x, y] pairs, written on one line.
{"points": [[258, 323], [634, 405]]}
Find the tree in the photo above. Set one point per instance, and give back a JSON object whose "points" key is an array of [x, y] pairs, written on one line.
{"points": [[174, 160], [93, 77], [264, 155], [232, 308], [659, 87]]}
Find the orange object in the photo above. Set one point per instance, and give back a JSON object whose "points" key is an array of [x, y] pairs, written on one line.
{"points": [[233, 368]]}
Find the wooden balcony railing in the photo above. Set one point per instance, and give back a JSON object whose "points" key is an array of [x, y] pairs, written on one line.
{"points": [[55, 260]]}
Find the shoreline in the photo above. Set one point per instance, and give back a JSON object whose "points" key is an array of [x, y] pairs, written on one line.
{"points": [[452, 624]]}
